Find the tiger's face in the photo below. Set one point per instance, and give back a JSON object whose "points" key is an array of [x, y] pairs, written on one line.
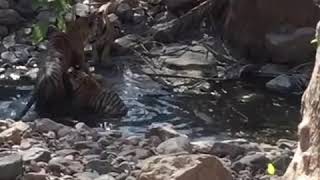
{"points": [[89, 27]]}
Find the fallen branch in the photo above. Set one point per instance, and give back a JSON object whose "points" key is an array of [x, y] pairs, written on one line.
{"points": [[183, 77]]}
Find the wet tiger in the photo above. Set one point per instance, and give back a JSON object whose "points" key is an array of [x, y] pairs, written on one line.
{"points": [[65, 50], [89, 97]]}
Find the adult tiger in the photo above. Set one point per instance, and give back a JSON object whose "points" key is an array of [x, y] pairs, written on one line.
{"points": [[90, 98], [65, 50], [107, 32]]}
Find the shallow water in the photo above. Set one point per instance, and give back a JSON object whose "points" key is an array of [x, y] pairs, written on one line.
{"points": [[228, 109]]}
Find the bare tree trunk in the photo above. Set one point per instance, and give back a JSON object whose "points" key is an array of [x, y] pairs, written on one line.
{"points": [[306, 161]]}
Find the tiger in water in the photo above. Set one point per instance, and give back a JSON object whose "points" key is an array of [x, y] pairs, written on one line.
{"points": [[65, 50], [90, 97]]}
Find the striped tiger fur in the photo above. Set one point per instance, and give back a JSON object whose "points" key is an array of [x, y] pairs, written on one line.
{"points": [[106, 34], [91, 98], [65, 50]]}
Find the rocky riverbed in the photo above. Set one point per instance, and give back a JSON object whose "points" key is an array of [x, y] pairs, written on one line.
{"points": [[45, 149]]}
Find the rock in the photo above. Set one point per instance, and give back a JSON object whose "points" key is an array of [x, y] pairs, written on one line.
{"points": [[164, 131], [21, 126], [256, 161], [154, 2], [35, 176], [292, 47], [125, 43], [9, 41], [66, 152], [3, 31], [9, 56], [295, 83], [124, 12], [265, 19], [222, 149], [11, 135], [67, 166], [86, 176], [86, 130], [194, 59], [36, 154], [94, 146], [178, 7], [164, 32], [184, 167], [105, 177], [81, 10], [11, 167], [4, 4], [10, 17], [45, 125], [24, 7], [175, 145], [286, 144], [100, 166]]}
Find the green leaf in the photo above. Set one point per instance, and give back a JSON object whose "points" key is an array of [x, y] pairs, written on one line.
{"points": [[314, 41], [60, 5], [271, 169], [61, 23], [39, 32]]}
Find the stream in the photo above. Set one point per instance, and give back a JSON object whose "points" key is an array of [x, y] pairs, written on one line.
{"points": [[232, 109]]}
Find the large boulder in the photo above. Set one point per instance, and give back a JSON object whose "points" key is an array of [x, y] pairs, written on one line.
{"points": [[248, 21], [184, 167]]}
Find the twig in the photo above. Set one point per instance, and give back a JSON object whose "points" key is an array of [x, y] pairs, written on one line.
{"points": [[230, 58], [183, 77]]}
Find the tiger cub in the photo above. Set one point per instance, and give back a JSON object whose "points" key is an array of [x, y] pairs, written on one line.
{"points": [[65, 50], [89, 97]]}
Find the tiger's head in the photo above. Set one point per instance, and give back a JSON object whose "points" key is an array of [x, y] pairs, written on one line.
{"points": [[88, 26]]}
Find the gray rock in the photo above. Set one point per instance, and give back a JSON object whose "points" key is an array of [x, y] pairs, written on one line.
{"points": [[9, 41], [256, 161], [66, 152], [9, 56], [93, 146], [24, 7], [10, 17], [286, 144], [86, 176], [292, 47], [3, 31], [10, 167], [295, 83], [59, 164], [4, 4], [105, 177], [100, 166], [86, 130], [234, 148], [125, 12], [154, 2], [35, 176], [176, 4], [175, 145], [164, 131], [45, 125], [36, 154]]}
